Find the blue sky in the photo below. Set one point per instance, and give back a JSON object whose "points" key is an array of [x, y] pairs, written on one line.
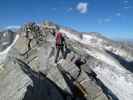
{"points": [[112, 18]]}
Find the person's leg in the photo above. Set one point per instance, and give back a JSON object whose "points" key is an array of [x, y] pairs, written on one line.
{"points": [[29, 47], [29, 44], [57, 54], [62, 51]]}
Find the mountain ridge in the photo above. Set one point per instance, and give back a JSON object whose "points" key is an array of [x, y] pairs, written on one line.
{"points": [[104, 57]]}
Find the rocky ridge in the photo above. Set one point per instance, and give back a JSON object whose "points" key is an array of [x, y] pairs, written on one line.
{"points": [[32, 74]]}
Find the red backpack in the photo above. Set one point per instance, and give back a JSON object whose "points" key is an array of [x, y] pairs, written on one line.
{"points": [[58, 38]]}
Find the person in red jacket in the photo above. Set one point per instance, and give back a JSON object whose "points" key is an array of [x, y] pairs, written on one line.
{"points": [[60, 43]]}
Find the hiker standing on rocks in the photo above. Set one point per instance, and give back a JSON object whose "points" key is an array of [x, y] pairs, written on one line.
{"points": [[32, 32], [60, 43]]}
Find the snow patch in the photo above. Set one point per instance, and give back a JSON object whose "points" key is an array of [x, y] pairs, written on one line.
{"points": [[118, 84], [4, 53], [118, 79], [12, 27]]}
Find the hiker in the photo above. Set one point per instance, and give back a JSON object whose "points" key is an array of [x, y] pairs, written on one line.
{"points": [[28, 35], [60, 43], [33, 32], [78, 62]]}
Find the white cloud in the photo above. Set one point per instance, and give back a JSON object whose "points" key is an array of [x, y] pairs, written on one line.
{"points": [[82, 7], [100, 21], [70, 9], [104, 20], [127, 7], [118, 14], [107, 20], [126, 1]]}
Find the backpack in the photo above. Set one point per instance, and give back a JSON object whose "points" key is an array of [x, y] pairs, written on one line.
{"points": [[58, 38]]}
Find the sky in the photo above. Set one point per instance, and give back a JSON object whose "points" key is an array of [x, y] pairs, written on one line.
{"points": [[112, 18]]}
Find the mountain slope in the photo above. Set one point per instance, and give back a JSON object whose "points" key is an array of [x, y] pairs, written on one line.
{"points": [[115, 76], [107, 73]]}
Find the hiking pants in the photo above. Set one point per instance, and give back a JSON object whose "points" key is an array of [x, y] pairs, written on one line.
{"points": [[58, 49]]}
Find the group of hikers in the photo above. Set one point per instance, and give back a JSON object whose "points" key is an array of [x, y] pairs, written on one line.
{"points": [[60, 45], [33, 32]]}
